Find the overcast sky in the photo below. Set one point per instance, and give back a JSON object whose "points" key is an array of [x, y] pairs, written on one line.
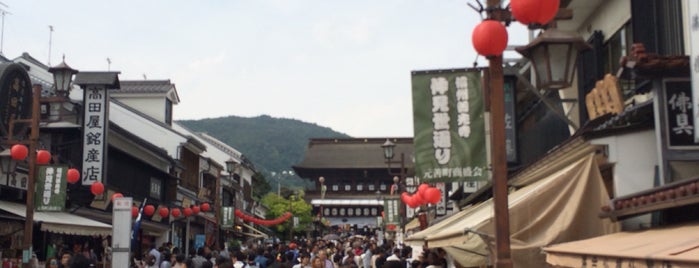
{"points": [[337, 63]]}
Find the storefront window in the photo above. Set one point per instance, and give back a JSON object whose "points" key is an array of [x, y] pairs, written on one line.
{"points": [[348, 187], [342, 212], [372, 187], [350, 212], [335, 187], [373, 212], [358, 211], [360, 187], [382, 187]]}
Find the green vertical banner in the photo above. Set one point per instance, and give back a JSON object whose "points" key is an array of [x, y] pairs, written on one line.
{"points": [[227, 217], [391, 210], [50, 188], [449, 124]]}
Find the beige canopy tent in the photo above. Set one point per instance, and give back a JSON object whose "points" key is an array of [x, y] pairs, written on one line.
{"points": [[676, 246], [560, 207], [61, 222]]}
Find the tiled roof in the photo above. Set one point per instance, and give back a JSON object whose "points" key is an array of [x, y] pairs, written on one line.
{"points": [[353, 153], [146, 86]]}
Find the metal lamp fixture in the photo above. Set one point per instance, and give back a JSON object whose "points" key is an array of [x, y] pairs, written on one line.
{"points": [[554, 55], [231, 165], [62, 77], [388, 147]]}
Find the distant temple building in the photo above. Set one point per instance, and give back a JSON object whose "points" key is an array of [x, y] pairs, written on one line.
{"points": [[355, 178]]}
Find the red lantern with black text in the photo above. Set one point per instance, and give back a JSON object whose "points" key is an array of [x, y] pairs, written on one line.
{"points": [[43, 157], [534, 12], [205, 207], [19, 152], [489, 38], [163, 212], [73, 175], [97, 188], [149, 210]]}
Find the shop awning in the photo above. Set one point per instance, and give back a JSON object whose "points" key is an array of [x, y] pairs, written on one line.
{"points": [[562, 206], [676, 246], [61, 222], [255, 233]]}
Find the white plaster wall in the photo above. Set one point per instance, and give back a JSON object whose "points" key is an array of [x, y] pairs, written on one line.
{"points": [[635, 157], [157, 135], [152, 106], [608, 18]]}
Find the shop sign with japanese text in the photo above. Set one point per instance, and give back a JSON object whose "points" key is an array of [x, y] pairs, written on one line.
{"points": [[94, 134], [449, 126], [50, 188]]}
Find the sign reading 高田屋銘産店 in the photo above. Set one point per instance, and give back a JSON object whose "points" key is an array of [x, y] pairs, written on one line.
{"points": [[449, 126]]}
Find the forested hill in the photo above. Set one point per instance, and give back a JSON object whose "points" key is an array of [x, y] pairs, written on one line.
{"points": [[272, 144]]}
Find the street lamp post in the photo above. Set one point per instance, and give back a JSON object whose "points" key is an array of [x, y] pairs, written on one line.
{"points": [[542, 53], [231, 167], [62, 77], [388, 154]]}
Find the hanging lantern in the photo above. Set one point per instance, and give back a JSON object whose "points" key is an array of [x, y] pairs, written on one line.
{"points": [[149, 210], [404, 197], [43, 157], [554, 56], [237, 213], [433, 195], [187, 212], [195, 210], [73, 175], [116, 195], [489, 38], [134, 212], [163, 211], [176, 212], [534, 13], [97, 188], [19, 152], [205, 207], [422, 189], [419, 201]]}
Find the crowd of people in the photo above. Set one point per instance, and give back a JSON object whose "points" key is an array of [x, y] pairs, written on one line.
{"points": [[355, 252]]}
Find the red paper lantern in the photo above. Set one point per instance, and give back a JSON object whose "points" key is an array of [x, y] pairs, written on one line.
{"points": [[534, 11], [176, 212], [163, 212], [187, 212], [97, 188], [116, 195], [404, 197], [433, 195], [19, 152], [238, 213], [73, 175], [43, 157], [134, 212], [489, 38], [205, 207], [419, 201], [422, 189], [412, 201], [195, 210], [149, 210], [391, 227]]}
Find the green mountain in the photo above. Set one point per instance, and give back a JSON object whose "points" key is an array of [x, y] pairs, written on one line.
{"points": [[272, 144]]}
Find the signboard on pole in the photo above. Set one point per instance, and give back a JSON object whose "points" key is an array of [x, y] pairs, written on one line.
{"points": [[227, 217], [391, 210], [121, 232], [448, 114], [50, 188], [94, 134]]}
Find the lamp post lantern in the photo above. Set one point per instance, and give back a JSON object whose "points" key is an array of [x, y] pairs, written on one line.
{"points": [[554, 54], [62, 76], [388, 154], [545, 54]]}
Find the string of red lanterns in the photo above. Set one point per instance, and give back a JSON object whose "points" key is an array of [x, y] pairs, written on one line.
{"points": [[255, 220], [425, 194], [20, 152]]}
